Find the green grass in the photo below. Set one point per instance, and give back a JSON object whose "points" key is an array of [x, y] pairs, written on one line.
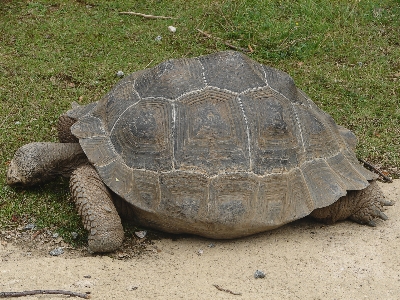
{"points": [[344, 54]]}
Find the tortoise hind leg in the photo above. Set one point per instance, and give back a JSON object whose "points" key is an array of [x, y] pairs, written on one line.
{"points": [[95, 206], [360, 206]]}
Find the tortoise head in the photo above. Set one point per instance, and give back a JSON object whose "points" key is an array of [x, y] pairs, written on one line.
{"points": [[13, 177], [23, 168], [40, 162]]}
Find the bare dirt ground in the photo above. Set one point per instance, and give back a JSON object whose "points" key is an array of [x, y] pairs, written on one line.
{"points": [[302, 260]]}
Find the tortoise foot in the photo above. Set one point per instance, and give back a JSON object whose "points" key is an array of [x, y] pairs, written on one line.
{"points": [[371, 211]]}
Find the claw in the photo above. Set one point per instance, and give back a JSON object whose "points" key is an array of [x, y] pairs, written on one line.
{"points": [[383, 216], [386, 202], [371, 223]]}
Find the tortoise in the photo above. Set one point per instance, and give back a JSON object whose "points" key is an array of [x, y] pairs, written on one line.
{"points": [[218, 146]]}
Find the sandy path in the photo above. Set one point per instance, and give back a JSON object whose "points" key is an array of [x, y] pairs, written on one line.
{"points": [[303, 260]]}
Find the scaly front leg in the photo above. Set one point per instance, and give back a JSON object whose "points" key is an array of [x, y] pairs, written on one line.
{"points": [[95, 206]]}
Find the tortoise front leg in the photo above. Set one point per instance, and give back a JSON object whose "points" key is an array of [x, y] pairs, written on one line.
{"points": [[360, 206], [95, 206]]}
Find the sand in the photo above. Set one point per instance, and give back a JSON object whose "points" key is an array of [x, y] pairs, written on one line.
{"points": [[302, 260]]}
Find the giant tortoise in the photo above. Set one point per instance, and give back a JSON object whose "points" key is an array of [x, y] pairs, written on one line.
{"points": [[218, 146]]}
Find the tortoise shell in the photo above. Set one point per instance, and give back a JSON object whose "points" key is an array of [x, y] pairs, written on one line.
{"points": [[217, 145]]}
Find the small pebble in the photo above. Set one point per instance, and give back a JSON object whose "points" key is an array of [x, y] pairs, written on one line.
{"points": [[30, 227], [158, 38], [172, 29], [84, 284], [259, 274], [57, 251], [211, 245], [199, 252], [141, 234], [120, 74], [55, 235]]}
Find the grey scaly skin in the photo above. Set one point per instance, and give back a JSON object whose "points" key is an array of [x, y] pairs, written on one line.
{"points": [[95, 205]]}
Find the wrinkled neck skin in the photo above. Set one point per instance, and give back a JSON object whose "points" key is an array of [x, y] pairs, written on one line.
{"points": [[40, 162]]}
